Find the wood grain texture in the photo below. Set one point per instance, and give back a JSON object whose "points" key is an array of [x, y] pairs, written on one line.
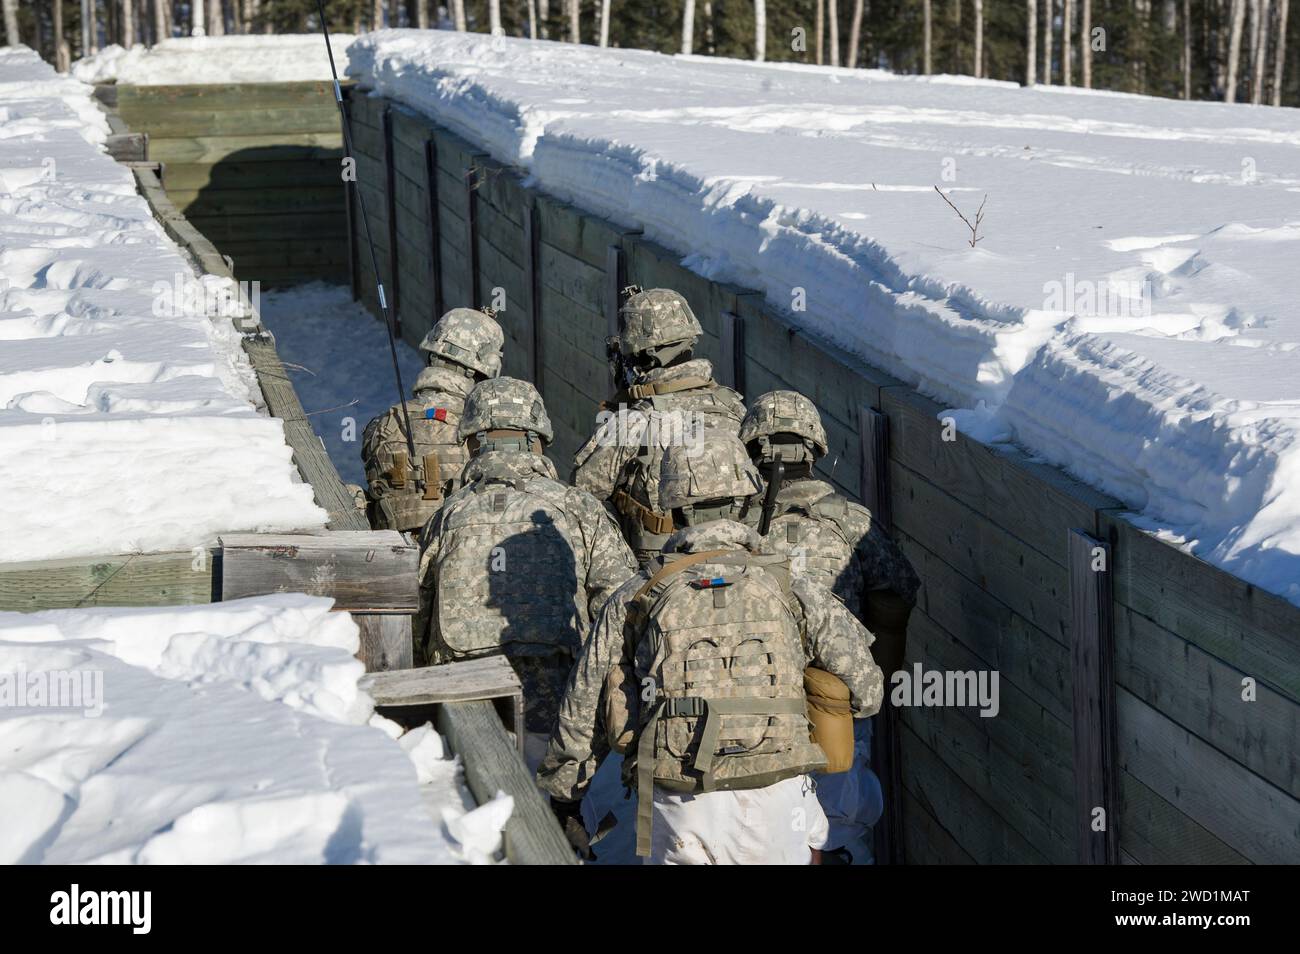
{"points": [[141, 579], [488, 678], [386, 642]]}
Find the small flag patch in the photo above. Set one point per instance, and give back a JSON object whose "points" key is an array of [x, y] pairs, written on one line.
{"points": [[710, 583], [435, 413]]}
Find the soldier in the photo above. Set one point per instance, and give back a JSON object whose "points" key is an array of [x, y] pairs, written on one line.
{"points": [[464, 348], [700, 663], [836, 543], [516, 562], [665, 397]]}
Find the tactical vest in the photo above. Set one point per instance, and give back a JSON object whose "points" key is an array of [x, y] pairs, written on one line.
{"points": [[721, 636], [507, 570], [403, 494], [815, 538], [646, 528]]}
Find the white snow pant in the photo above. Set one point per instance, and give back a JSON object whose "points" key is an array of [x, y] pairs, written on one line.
{"points": [[852, 800], [776, 825]]}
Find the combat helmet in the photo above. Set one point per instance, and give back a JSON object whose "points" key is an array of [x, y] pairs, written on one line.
{"points": [[656, 326], [709, 479], [784, 427], [509, 405], [469, 338]]}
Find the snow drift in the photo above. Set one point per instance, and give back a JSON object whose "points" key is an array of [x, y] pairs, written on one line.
{"points": [[254, 58], [1126, 313]]}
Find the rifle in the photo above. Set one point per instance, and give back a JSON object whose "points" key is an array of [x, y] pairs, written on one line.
{"points": [[775, 475]]}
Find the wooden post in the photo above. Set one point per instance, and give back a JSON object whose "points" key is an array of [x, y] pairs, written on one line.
{"points": [[390, 194], [532, 283], [1092, 659], [435, 231], [731, 340], [371, 574], [471, 223], [873, 431], [350, 204]]}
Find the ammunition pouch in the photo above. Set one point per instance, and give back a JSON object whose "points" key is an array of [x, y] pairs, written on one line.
{"points": [[831, 713]]}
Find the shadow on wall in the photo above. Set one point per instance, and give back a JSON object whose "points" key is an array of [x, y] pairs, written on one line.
{"points": [[277, 211]]}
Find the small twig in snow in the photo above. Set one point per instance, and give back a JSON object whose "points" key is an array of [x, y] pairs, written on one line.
{"points": [[975, 236]]}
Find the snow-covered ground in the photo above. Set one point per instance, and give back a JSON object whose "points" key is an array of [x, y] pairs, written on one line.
{"points": [[128, 417], [229, 733], [338, 359], [1128, 312], [279, 58]]}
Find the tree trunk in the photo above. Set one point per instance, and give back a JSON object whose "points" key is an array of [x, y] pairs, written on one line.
{"points": [[1067, 41], [688, 27], [394, 13], [709, 48], [87, 28], [457, 14], [819, 25], [543, 15], [197, 26], [604, 22], [12, 36], [159, 20], [760, 30], [1187, 49], [1085, 42], [1279, 55], [1261, 52], [833, 19], [1031, 42], [126, 25], [575, 21], [494, 18], [1234, 50], [855, 30], [1047, 42], [422, 14], [532, 17], [979, 38], [56, 16], [216, 19]]}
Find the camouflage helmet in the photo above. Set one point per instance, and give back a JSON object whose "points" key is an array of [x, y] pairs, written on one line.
{"points": [[716, 467], [783, 412], [654, 318], [504, 404], [469, 338]]}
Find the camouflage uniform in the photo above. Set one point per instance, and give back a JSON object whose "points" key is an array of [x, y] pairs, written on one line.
{"points": [[677, 748], [835, 542], [664, 399], [464, 348], [516, 562]]}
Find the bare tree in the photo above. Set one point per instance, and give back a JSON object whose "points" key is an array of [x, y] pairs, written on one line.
{"points": [[1031, 42], [575, 21], [543, 14], [819, 25], [1085, 42], [604, 22], [532, 18], [494, 18], [979, 38], [394, 13], [197, 25], [1261, 52], [1047, 42], [159, 20], [60, 47], [760, 30], [216, 19], [422, 14], [88, 37], [126, 28], [1234, 50], [457, 14], [855, 29], [12, 36], [833, 18], [688, 27], [1067, 43], [1279, 54], [709, 47], [1186, 55]]}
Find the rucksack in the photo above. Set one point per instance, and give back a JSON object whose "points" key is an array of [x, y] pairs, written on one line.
{"points": [[507, 569], [720, 633], [397, 501]]}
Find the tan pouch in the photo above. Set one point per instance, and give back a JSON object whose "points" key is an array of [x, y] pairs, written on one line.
{"points": [[831, 715], [620, 701]]}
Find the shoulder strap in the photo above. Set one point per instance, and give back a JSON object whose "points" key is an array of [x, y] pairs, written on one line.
{"points": [[653, 388], [835, 508]]}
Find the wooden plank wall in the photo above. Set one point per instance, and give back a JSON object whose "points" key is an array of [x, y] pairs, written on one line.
{"points": [[255, 168], [1204, 775]]}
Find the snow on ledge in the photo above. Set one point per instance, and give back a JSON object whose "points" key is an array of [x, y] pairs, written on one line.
{"points": [[128, 418], [1128, 312], [278, 58], [225, 734]]}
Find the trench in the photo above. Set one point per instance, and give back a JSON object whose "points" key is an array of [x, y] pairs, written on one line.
{"points": [[1159, 643]]}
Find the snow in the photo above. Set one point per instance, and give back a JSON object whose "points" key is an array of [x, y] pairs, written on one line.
{"points": [[338, 359], [129, 416], [1127, 314], [229, 733], [278, 58]]}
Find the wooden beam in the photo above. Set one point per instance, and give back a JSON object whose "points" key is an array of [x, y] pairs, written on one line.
{"points": [[350, 207], [492, 765], [369, 570], [134, 579], [435, 233], [1092, 656], [532, 288], [873, 430], [390, 195], [488, 678], [731, 341], [386, 642]]}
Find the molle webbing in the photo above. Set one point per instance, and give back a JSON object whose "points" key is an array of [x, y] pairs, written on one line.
{"points": [[432, 477], [398, 473], [653, 522], [652, 388]]}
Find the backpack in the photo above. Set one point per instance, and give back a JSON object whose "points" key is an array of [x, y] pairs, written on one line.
{"points": [[508, 569], [720, 633], [396, 500]]}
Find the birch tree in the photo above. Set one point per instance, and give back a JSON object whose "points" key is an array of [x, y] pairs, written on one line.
{"points": [[1261, 51], [532, 18], [575, 21], [688, 27], [1279, 54], [543, 15], [88, 33], [1067, 47], [1234, 50], [979, 38], [855, 30], [604, 22], [197, 26], [457, 14], [60, 51], [1031, 42], [833, 19], [216, 19], [1186, 56], [1047, 42], [422, 14], [12, 37], [760, 30], [127, 25], [819, 25], [1085, 42], [494, 18], [159, 20]]}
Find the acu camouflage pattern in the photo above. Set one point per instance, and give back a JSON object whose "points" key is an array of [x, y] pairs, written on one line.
{"points": [[505, 404], [716, 468], [784, 412], [518, 563], [469, 338], [618, 464], [395, 499], [653, 318], [808, 627]]}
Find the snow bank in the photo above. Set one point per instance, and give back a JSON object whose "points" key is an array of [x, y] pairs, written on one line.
{"points": [[337, 356], [127, 407], [279, 58], [230, 733], [1128, 313]]}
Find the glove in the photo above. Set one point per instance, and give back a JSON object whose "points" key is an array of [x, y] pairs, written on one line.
{"points": [[569, 815]]}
